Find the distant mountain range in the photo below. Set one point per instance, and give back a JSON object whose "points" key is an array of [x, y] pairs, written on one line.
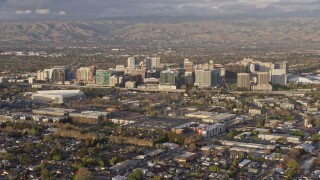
{"points": [[191, 30]]}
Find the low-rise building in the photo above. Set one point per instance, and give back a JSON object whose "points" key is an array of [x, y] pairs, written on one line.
{"points": [[275, 137], [53, 111], [92, 117], [255, 111], [244, 163], [247, 145], [186, 157], [210, 130]]}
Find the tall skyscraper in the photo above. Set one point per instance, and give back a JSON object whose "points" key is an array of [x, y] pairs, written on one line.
{"points": [[168, 77], [206, 77], [132, 63], [102, 77], [263, 78], [266, 66], [279, 79], [59, 73], [188, 66], [263, 82], [86, 75], [152, 63], [55, 74], [282, 66], [243, 80]]}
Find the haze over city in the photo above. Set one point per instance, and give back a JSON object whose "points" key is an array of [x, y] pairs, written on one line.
{"points": [[96, 9]]}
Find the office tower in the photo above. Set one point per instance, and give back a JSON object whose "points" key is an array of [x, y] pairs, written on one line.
{"points": [[135, 78], [156, 62], [211, 65], [216, 76], [152, 63], [189, 79], [148, 64], [243, 80], [153, 74], [262, 82], [115, 80], [231, 72], [55, 74], [86, 75], [282, 66], [102, 77], [59, 73], [188, 65], [140, 72], [132, 63], [42, 75], [222, 72], [254, 67], [206, 77], [279, 79], [71, 75], [263, 78], [266, 66], [168, 77]]}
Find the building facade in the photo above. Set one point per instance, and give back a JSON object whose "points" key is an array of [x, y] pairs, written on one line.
{"points": [[243, 80], [102, 77]]}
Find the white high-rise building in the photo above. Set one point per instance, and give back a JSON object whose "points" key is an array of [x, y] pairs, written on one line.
{"points": [[132, 63], [206, 78]]}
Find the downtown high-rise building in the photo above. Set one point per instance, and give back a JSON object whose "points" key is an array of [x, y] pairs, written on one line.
{"points": [[132, 63], [55, 74], [152, 63], [168, 77], [188, 66], [86, 75], [206, 77], [103, 77], [262, 82], [279, 79], [243, 80], [263, 78]]}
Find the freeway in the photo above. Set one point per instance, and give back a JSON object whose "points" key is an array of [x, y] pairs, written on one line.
{"points": [[287, 93], [108, 87]]}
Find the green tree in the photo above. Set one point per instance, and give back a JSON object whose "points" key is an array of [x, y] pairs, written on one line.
{"points": [[292, 164], [113, 160], [289, 173], [213, 168], [232, 134], [45, 175], [297, 133], [83, 174], [315, 137], [317, 123], [136, 175], [55, 154], [25, 159]]}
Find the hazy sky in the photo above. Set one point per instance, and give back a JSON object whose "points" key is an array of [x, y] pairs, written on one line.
{"points": [[88, 9]]}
